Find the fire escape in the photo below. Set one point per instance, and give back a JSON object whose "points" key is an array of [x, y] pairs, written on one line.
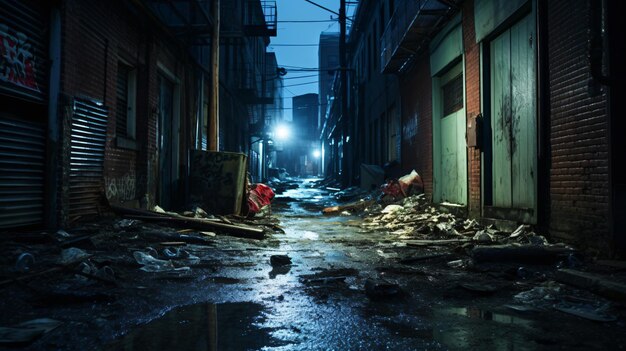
{"points": [[410, 30]]}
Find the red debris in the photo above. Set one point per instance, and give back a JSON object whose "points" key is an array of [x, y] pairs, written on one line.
{"points": [[260, 195]]}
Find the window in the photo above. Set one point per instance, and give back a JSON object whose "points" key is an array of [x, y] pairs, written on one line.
{"points": [[453, 95], [126, 105]]}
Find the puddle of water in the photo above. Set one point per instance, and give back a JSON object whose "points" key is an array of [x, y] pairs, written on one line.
{"points": [[462, 328], [227, 326], [310, 235], [476, 313]]}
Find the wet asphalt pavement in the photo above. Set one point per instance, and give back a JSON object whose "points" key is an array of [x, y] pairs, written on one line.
{"points": [[319, 302]]}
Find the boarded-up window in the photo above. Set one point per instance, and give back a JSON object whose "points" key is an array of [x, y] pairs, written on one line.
{"points": [[453, 95]]}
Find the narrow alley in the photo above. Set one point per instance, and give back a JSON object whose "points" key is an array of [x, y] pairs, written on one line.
{"points": [[329, 282], [312, 175]]}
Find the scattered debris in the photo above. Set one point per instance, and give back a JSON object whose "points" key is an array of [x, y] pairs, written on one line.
{"points": [[27, 332], [201, 224], [407, 185], [482, 236], [280, 260], [381, 289], [587, 312], [72, 255], [259, 196], [520, 253], [592, 282], [151, 264], [24, 262], [353, 207], [420, 258]]}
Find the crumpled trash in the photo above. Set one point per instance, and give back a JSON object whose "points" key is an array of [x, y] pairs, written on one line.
{"points": [[456, 264], [62, 234], [199, 213], [540, 296], [410, 184], [260, 196], [24, 262], [151, 264], [381, 289], [152, 252], [180, 254], [587, 311], [27, 332], [126, 223], [482, 236], [88, 268], [522, 229], [72, 255], [392, 209]]}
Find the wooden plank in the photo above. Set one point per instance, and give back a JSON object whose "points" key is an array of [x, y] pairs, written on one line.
{"points": [[196, 223]]}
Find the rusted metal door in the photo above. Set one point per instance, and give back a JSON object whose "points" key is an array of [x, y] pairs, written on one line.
{"points": [[88, 139], [513, 120], [24, 68], [22, 160]]}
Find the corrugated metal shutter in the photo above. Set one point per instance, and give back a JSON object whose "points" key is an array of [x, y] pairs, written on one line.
{"points": [[89, 130], [22, 162], [23, 49]]}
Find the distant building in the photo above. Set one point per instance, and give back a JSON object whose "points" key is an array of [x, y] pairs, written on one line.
{"points": [[304, 138], [328, 61]]}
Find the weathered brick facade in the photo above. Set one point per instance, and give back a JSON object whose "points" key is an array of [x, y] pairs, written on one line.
{"points": [[471, 53], [92, 51], [417, 122], [579, 173], [573, 124]]}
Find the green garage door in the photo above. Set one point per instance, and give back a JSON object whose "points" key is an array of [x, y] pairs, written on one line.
{"points": [[514, 129]]}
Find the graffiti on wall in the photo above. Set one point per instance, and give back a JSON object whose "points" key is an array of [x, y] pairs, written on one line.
{"points": [[17, 62], [123, 188], [218, 180], [409, 129]]}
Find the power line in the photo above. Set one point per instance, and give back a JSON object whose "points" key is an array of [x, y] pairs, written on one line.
{"points": [[293, 45], [307, 21], [307, 76], [295, 85]]}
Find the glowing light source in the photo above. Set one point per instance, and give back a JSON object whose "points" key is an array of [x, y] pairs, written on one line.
{"points": [[282, 132], [317, 153]]}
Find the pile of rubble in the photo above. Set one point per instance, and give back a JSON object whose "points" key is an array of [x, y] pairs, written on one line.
{"points": [[415, 217]]}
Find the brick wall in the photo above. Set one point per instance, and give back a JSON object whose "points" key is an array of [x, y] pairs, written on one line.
{"points": [[578, 132], [96, 36], [417, 122], [472, 100]]}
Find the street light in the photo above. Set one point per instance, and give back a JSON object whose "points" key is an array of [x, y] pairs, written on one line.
{"points": [[316, 153], [282, 132]]}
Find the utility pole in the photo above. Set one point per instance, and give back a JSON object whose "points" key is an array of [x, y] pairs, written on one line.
{"points": [[214, 113], [343, 71]]}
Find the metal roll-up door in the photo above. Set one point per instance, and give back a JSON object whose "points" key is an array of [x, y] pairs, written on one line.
{"points": [[89, 130], [22, 162], [23, 49]]}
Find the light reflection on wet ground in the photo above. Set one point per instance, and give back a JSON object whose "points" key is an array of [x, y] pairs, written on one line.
{"points": [[273, 308]]}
